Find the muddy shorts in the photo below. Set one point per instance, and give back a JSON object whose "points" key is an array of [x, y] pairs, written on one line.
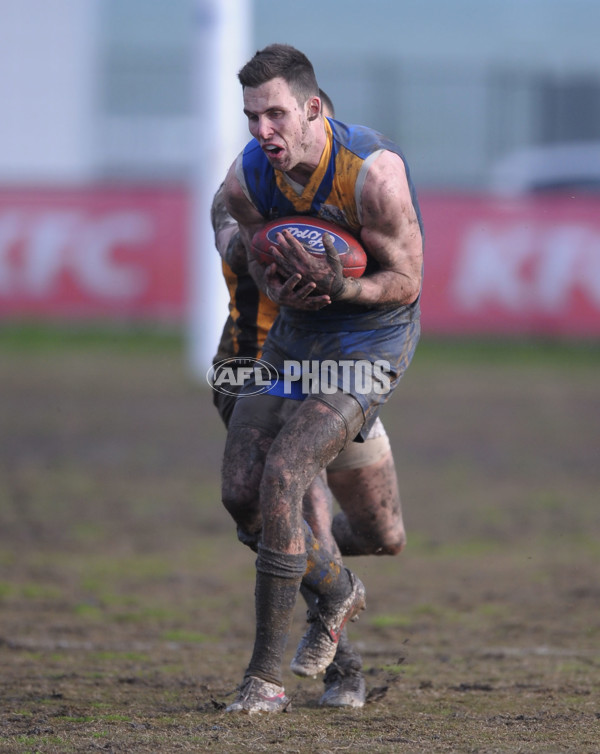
{"points": [[366, 363], [358, 455]]}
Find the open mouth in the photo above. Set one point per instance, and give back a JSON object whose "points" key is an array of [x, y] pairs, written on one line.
{"points": [[273, 150]]}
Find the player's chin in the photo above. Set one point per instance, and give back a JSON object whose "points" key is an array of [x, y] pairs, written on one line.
{"points": [[277, 160]]}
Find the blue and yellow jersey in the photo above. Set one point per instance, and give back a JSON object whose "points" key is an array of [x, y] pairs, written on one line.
{"points": [[334, 193], [251, 315], [334, 190]]}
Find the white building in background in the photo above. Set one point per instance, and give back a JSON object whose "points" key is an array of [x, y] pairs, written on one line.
{"points": [[50, 79], [103, 89], [100, 97]]}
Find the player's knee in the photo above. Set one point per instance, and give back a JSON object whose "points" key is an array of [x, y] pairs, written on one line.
{"points": [[391, 548], [231, 500], [391, 542], [248, 538], [241, 505]]}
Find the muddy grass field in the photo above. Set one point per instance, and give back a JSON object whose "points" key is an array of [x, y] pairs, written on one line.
{"points": [[126, 608]]}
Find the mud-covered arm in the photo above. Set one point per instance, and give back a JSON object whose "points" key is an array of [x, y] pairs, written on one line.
{"points": [[226, 230], [391, 234]]}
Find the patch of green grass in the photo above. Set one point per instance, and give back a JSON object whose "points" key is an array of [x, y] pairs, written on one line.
{"points": [[394, 669], [468, 548], [493, 610], [113, 718], [546, 499], [91, 612], [33, 656], [160, 613], [573, 668], [7, 557], [427, 609], [36, 336], [95, 675], [391, 621], [107, 655], [88, 532], [172, 669], [416, 614], [577, 542], [188, 637], [31, 591], [507, 351], [36, 742], [152, 567]]}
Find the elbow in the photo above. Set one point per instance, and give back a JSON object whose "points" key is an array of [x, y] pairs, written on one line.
{"points": [[412, 289]]}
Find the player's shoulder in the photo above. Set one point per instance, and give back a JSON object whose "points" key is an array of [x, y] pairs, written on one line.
{"points": [[360, 140], [236, 195]]}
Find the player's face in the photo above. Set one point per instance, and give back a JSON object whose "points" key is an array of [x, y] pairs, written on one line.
{"points": [[279, 123]]}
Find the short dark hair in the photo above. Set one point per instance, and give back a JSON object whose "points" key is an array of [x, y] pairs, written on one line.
{"points": [[281, 61]]}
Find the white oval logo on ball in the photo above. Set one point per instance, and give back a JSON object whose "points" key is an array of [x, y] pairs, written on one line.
{"points": [[309, 236]]}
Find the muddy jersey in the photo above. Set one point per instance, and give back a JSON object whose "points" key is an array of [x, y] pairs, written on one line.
{"points": [[251, 315], [333, 193]]}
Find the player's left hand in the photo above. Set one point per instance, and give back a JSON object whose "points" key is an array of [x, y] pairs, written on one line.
{"points": [[292, 291]]}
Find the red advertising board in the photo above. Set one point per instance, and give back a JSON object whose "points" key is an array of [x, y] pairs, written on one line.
{"points": [[96, 253], [492, 266], [519, 266]]}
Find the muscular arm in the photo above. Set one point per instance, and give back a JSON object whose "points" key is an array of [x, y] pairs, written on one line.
{"points": [[391, 234]]}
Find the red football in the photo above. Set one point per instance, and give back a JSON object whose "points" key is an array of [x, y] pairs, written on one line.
{"points": [[309, 231]]}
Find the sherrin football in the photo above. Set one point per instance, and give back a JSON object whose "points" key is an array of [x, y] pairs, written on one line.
{"points": [[309, 231]]}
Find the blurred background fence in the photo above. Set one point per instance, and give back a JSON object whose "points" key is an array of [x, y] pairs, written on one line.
{"points": [[496, 105]]}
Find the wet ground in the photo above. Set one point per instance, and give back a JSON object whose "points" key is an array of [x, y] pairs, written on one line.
{"points": [[126, 601]]}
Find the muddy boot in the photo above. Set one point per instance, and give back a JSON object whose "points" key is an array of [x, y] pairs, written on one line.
{"points": [[319, 644], [256, 695], [344, 682]]}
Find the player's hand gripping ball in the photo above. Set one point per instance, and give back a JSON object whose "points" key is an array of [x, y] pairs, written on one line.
{"points": [[309, 232]]}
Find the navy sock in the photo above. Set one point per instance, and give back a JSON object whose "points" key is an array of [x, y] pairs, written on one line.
{"points": [[278, 578]]}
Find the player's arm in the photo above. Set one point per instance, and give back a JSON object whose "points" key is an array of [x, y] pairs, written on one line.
{"points": [[287, 291], [391, 234], [227, 240]]}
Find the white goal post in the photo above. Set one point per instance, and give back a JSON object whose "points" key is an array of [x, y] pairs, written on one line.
{"points": [[223, 31]]}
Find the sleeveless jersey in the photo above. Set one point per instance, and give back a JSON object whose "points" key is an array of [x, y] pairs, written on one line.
{"points": [[334, 190], [333, 193]]}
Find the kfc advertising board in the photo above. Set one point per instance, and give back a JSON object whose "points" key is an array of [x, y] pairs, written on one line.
{"points": [[522, 266], [528, 266], [93, 254]]}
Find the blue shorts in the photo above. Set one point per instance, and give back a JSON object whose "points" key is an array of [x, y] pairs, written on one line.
{"points": [[365, 363]]}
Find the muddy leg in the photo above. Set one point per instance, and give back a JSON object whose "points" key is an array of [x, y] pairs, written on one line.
{"points": [[371, 519], [243, 461], [308, 441]]}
